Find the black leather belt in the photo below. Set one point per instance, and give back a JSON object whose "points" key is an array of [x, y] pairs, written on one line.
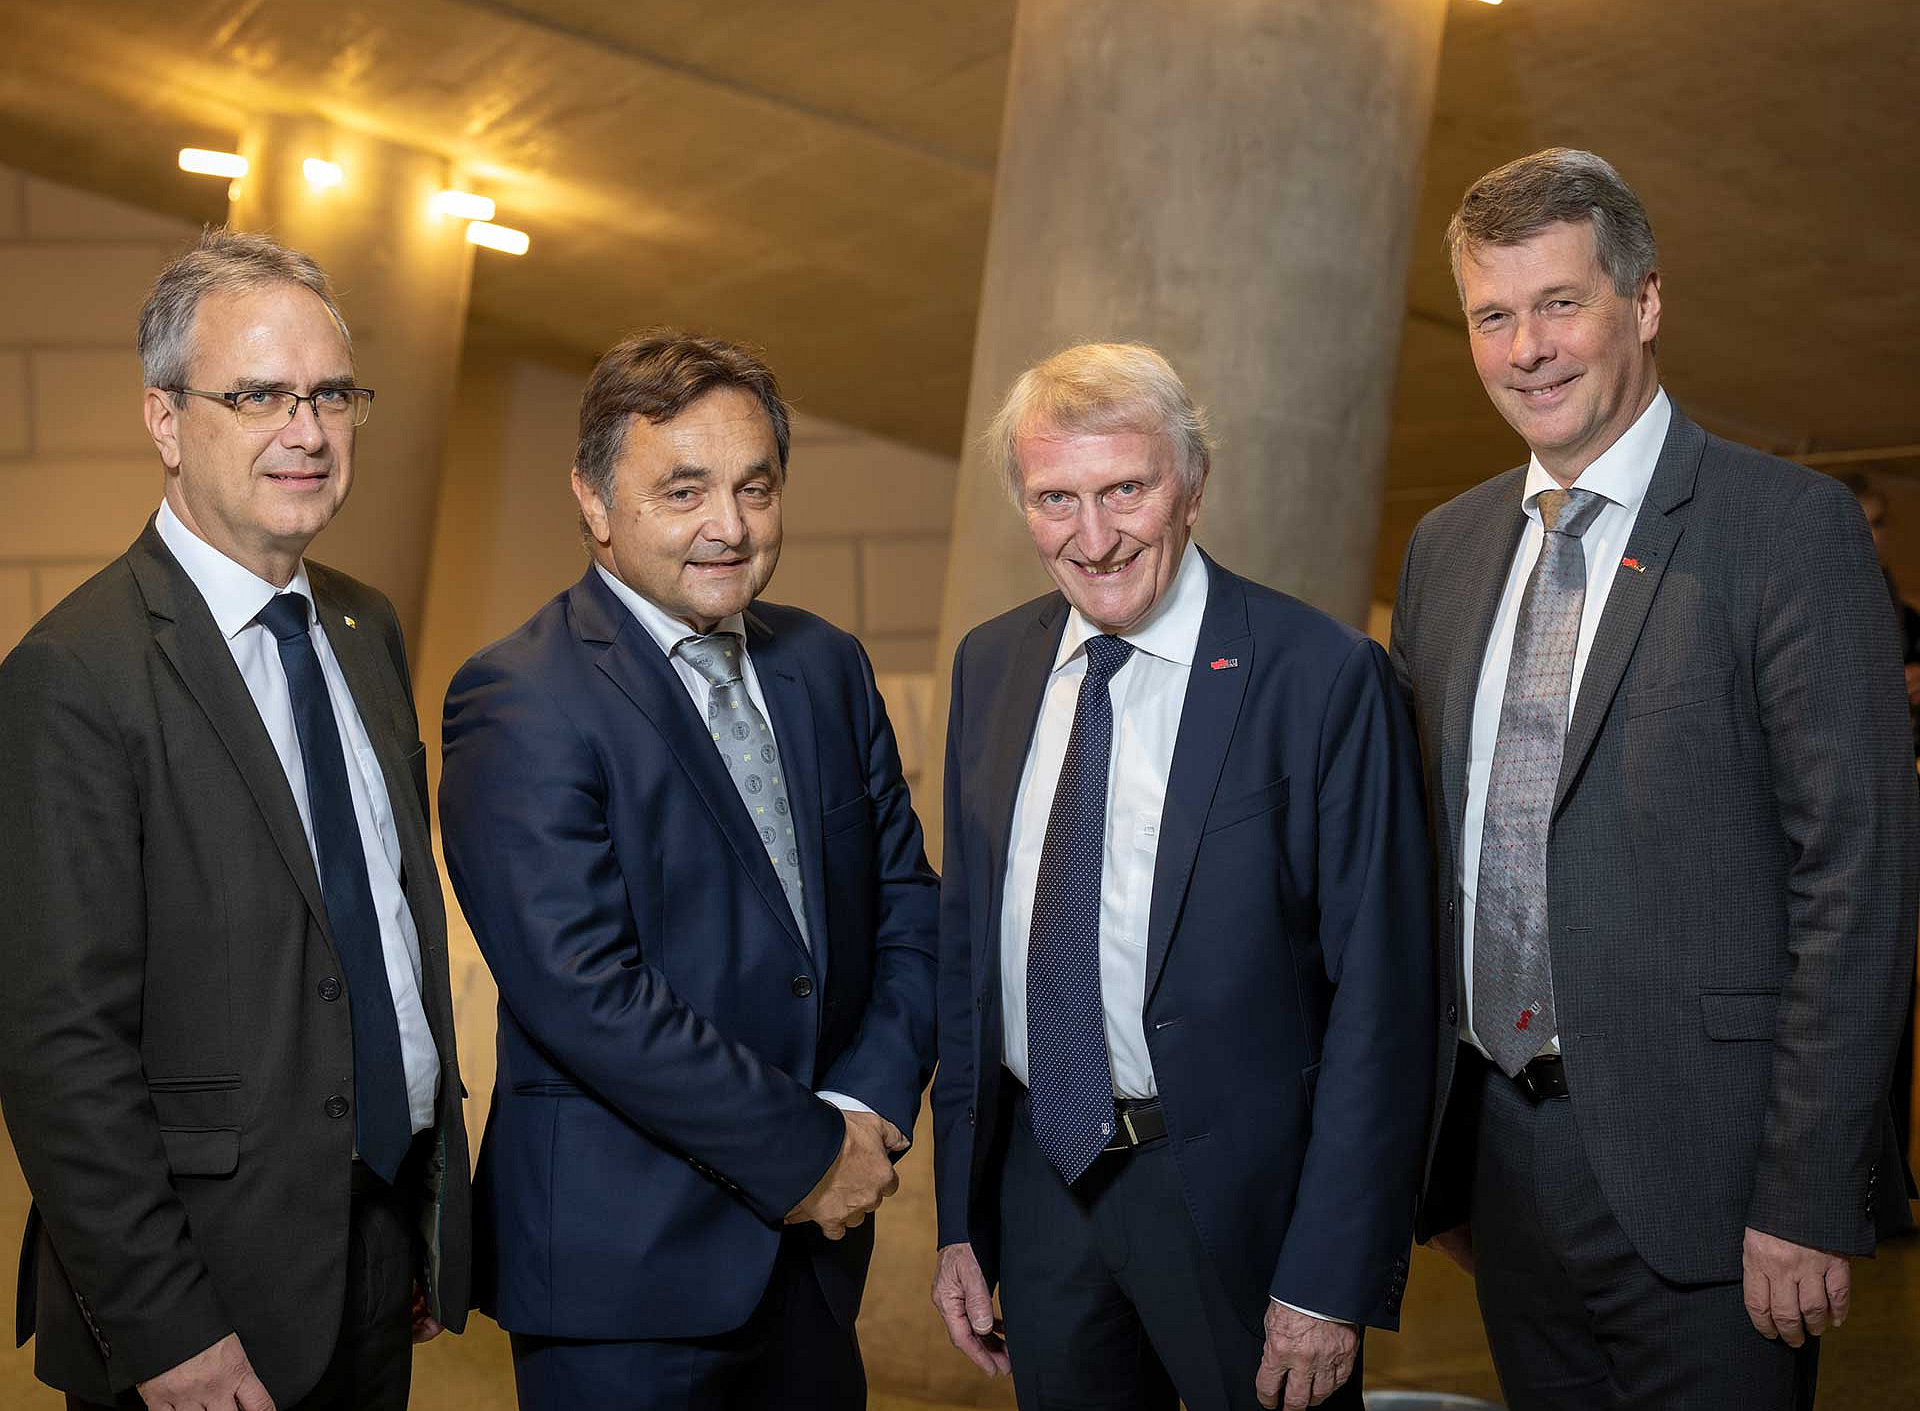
{"points": [[1136, 1121], [1544, 1079]]}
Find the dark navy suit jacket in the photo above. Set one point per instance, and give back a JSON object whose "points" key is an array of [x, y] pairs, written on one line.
{"points": [[663, 1026], [1289, 955]]}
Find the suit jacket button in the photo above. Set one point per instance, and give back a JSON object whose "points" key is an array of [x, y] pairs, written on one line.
{"points": [[1449, 908], [336, 1106], [969, 1116], [802, 986], [1453, 1014], [329, 989]]}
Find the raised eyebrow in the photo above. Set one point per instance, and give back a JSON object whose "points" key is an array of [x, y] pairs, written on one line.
{"points": [[259, 384]]}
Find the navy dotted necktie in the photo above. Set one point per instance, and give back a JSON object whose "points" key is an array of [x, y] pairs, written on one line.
{"points": [[1069, 1072], [382, 1126]]}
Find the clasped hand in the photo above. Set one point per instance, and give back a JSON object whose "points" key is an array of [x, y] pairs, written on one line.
{"points": [[861, 1176]]}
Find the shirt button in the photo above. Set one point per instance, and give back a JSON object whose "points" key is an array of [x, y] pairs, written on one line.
{"points": [[336, 1106], [802, 986], [329, 989]]}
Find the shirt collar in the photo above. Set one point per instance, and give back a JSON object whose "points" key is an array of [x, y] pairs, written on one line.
{"points": [[666, 630], [234, 594], [1172, 628], [1623, 471]]}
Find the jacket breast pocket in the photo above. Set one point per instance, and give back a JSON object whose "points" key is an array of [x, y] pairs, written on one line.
{"points": [[1671, 695], [1733, 1016], [842, 817], [1239, 808]]}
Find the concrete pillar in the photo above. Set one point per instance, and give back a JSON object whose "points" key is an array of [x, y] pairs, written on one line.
{"points": [[401, 275], [1234, 183]]}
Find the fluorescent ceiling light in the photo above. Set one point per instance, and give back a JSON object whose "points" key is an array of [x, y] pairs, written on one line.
{"points": [[498, 237], [201, 162], [463, 205]]}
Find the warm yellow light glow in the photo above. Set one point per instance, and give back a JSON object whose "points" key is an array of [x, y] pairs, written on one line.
{"points": [[463, 205], [201, 162], [233, 189], [322, 174], [498, 237], [1489, 2]]}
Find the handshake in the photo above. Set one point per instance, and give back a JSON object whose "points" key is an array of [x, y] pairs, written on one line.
{"points": [[861, 1176]]}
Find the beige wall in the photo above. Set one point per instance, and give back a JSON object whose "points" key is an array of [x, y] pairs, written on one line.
{"points": [[78, 475]]}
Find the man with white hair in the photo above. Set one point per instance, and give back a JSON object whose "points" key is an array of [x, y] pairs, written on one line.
{"points": [[1185, 960]]}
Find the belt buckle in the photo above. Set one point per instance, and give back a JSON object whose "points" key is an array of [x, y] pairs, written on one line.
{"points": [[1529, 1084], [1126, 1122]]}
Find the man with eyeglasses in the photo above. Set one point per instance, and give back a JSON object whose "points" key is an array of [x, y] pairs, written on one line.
{"points": [[226, 1033]]}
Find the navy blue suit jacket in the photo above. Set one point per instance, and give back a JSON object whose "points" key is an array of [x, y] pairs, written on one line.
{"points": [[663, 1027], [1289, 954]]}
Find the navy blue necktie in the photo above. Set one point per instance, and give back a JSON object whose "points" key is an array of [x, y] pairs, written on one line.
{"points": [[382, 1126], [1069, 1073]]}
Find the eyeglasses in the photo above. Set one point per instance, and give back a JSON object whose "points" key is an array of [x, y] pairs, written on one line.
{"points": [[269, 409]]}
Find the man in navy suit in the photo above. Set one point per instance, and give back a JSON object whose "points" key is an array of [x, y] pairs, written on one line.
{"points": [[676, 821], [1185, 958]]}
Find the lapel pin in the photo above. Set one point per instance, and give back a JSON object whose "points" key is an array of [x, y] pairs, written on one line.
{"points": [[349, 621], [1222, 663], [1633, 564]]}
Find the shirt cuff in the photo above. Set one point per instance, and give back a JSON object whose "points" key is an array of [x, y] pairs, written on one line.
{"points": [[1322, 1317], [845, 1103]]}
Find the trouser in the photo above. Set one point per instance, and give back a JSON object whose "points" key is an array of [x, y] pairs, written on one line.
{"points": [[792, 1353], [1576, 1319], [1111, 1300]]}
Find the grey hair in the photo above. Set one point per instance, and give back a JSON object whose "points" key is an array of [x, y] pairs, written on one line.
{"points": [[221, 261], [1097, 389], [1515, 202]]}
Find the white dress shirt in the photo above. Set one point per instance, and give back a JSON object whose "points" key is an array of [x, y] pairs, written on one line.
{"points": [[668, 632], [235, 596], [1621, 474], [1149, 693]]}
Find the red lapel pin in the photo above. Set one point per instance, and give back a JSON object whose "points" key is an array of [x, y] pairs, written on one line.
{"points": [[1633, 564], [1222, 663]]}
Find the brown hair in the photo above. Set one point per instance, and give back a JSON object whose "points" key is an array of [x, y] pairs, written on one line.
{"points": [[1515, 202], [659, 374]]}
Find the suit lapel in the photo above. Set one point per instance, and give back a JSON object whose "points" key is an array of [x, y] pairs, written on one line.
{"points": [[1487, 563], [1012, 717], [633, 661], [791, 706], [370, 678], [1650, 546], [184, 630], [1207, 721]]}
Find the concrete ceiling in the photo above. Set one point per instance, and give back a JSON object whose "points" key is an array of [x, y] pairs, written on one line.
{"points": [[817, 177]]}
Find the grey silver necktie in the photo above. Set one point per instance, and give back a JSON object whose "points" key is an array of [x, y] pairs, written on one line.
{"points": [[1513, 1010], [745, 742]]}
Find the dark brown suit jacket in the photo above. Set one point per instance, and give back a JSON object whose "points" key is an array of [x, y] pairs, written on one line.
{"points": [[173, 1021]]}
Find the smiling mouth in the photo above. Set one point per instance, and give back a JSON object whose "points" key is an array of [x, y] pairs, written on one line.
{"points": [[718, 564], [1543, 394], [300, 478], [1097, 572]]}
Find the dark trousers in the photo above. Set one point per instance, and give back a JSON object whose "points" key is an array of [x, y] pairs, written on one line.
{"points": [[1576, 1319], [792, 1354], [1111, 1301], [371, 1368]]}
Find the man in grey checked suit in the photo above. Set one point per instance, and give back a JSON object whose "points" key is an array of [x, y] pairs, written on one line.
{"points": [[1664, 732]]}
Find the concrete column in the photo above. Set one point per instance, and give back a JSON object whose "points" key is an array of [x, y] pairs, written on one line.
{"points": [[1234, 183], [401, 275]]}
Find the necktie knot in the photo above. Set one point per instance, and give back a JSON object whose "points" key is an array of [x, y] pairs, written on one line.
{"points": [[1569, 512], [1106, 655], [286, 616], [715, 656]]}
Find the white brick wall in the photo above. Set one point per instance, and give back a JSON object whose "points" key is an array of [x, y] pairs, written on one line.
{"points": [[78, 476]]}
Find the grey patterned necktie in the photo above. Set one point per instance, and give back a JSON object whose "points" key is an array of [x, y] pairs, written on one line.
{"points": [[745, 742], [1513, 1010]]}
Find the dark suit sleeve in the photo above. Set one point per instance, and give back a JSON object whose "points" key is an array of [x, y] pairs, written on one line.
{"points": [[523, 815], [954, 1083], [892, 1057], [1400, 635], [1347, 1242], [73, 957], [1832, 712]]}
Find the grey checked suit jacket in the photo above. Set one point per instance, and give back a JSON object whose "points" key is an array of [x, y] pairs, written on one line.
{"points": [[1730, 873]]}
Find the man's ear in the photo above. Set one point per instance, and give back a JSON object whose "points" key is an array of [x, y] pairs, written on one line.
{"points": [[163, 425], [593, 510], [1649, 307]]}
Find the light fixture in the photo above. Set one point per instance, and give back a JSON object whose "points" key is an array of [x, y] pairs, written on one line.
{"points": [[321, 175], [233, 190], [1489, 2], [498, 237], [202, 162], [462, 205]]}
